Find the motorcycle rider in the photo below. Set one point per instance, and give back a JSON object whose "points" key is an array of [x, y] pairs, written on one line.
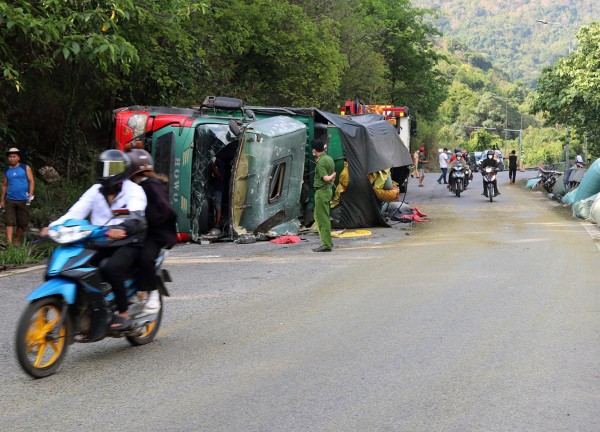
{"points": [[458, 161], [489, 161], [457, 151], [114, 191], [162, 230]]}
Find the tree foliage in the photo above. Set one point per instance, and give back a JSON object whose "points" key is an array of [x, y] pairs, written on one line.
{"points": [[66, 64], [568, 92]]}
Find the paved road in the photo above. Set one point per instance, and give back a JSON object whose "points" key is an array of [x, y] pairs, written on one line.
{"points": [[484, 319]]}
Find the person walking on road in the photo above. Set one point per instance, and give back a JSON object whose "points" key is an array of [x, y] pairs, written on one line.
{"points": [[421, 166], [323, 182], [17, 192], [443, 166], [512, 167]]}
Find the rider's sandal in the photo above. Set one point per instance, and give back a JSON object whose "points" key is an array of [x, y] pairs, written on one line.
{"points": [[120, 323]]}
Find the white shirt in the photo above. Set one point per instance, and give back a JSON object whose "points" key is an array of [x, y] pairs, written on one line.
{"points": [[92, 204], [443, 160]]}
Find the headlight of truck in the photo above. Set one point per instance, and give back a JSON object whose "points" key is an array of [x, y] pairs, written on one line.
{"points": [[137, 123]]}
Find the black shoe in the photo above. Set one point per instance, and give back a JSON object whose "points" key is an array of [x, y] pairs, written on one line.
{"points": [[485, 195], [445, 182], [322, 249], [439, 182]]}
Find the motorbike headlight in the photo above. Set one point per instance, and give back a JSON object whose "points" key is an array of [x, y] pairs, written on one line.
{"points": [[68, 234]]}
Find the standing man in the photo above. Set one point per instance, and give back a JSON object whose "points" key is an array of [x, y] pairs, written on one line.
{"points": [[17, 193], [512, 167], [415, 159], [323, 182], [421, 166], [443, 166]]}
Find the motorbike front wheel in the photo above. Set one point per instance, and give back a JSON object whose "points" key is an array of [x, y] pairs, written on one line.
{"points": [[40, 345], [458, 187], [147, 332], [490, 189]]}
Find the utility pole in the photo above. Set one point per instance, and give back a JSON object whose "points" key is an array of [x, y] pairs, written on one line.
{"points": [[567, 148], [585, 153], [521, 146]]}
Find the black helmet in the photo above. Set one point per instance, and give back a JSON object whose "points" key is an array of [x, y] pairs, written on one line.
{"points": [[112, 167], [141, 161], [490, 152], [457, 150]]}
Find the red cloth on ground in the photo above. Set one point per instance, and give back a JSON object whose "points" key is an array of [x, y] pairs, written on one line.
{"points": [[418, 212], [413, 217], [286, 239]]}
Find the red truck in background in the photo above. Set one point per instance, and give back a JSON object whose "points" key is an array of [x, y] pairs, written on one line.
{"points": [[398, 116]]}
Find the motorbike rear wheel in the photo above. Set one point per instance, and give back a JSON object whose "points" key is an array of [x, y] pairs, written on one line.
{"points": [[40, 347], [149, 331]]}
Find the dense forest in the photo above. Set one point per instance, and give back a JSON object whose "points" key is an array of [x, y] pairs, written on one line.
{"points": [[508, 70], [66, 64], [509, 32]]}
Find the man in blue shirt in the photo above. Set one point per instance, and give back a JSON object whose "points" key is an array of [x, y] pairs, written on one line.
{"points": [[17, 193]]}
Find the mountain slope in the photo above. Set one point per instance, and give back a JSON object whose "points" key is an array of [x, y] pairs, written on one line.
{"points": [[508, 32]]}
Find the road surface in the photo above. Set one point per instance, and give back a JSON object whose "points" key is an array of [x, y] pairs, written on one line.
{"points": [[486, 318]]}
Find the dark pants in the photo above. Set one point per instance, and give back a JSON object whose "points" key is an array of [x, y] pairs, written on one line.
{"points": [[443, 176], [116, 270], [17, 213], [146, 263], [512, 174]]}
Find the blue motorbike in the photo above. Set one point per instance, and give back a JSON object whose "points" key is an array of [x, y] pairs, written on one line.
{"points": [[75, 304]]}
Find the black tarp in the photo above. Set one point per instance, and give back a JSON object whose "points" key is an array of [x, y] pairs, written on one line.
{"points": [[370, 144]]}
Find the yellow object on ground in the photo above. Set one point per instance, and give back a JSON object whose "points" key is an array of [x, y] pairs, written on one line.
{"points": [[356, 233]]}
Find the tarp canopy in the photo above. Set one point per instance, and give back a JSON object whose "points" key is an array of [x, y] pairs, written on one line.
{"points": [[370, 144]]}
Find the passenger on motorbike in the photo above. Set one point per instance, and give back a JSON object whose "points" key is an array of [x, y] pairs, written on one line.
{"points": [[113, 192], [162, 230], [458, 161], [489, 161], [457, 151]]}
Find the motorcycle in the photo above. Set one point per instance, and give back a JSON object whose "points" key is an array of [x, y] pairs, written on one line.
{"points": [[489, 175], [548, 178], [457, 180], [75, 304]]}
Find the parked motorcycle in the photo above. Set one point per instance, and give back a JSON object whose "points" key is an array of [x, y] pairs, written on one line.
{"points": [[75, 304], [548, 178], [489, 175], [457, 180]]}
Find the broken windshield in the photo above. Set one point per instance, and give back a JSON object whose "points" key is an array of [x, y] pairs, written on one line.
{"points": [[211, 141]]}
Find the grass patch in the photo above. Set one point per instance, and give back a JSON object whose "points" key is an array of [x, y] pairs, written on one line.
{"points": [[27, 253]]}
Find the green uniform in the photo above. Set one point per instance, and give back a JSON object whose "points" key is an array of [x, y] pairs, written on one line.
{"points": [[323, 195]]}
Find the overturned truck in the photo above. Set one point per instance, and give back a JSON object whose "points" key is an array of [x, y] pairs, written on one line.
{"points": [[267, 161]]}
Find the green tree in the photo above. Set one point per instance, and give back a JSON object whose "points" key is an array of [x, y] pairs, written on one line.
{"points": [[58, 57], [567, 92]]}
